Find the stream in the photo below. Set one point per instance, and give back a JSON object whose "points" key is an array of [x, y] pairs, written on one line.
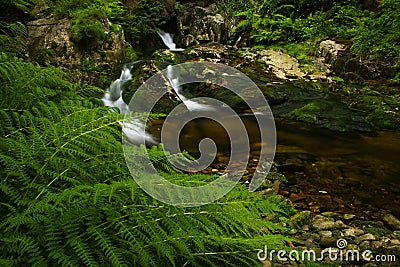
{"points": [[345, 172]]}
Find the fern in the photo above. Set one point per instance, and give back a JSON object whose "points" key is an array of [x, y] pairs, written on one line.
{"points": [[67, 197], [24, 5], [12, 38]]}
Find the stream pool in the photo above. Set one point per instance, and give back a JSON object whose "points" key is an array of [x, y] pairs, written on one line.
{"points": [[346, 172]]}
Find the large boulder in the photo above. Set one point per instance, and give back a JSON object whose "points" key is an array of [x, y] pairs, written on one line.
{"points": [[336, 57], [51, 41], [202, 25]]}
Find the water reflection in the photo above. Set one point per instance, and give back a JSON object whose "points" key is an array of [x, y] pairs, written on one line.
{"points": [[356, 172]]}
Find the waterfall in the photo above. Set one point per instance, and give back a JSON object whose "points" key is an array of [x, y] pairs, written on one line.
{"points": [[190, 104], [113, 98], [169, 41]]}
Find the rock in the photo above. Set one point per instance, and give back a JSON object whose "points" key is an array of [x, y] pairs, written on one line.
{"points": [[328, 241], [282, 65], [165, 55], [353, 232], [211, 52], [311, 236], [358, 232], [395, 242], [352, 247], [267, 192], [324, 223], [366, 237], [296, 197], [330, 51], [292, 232], [396, 234], [335, 56], [376, 244], [50, 42], [349, 232], [348, 216], [329, 214], [325, 233], [52, 36], [201, 25], [392, 221], [340, 224], [364, 245], [266, 263], [300, 219]]}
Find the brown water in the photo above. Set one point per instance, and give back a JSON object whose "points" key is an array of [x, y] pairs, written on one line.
{"points": [[347, 172]]}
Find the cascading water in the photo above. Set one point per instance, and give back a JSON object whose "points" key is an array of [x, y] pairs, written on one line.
{"points": [[190, 104], [113, 98], [168, 40]]}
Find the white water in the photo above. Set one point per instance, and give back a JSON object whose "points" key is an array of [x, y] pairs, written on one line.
{"points": [[168, 40], [190, 104], [113, 98]]}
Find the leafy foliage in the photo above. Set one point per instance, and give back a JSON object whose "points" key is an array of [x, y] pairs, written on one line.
{"points": [[25, 85], [68, 199], [374, 34], [142, 20], [24, 5], [12, 37]]}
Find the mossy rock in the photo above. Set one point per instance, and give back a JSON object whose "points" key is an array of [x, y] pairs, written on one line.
{"points": [[300, 219], [165, 56], [307, 113]]}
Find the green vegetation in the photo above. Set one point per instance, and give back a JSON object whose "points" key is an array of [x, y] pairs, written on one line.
{"points": [[68, 199], [374, 34], [66, 195], [307, 113]]}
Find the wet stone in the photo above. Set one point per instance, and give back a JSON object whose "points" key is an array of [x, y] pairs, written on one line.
{"points": [[328, 241], [352, 232], [365, 245], [348, 216], [300, 219], [349, 232], [313, 236], [292, 232], [396, 234], [324, 224], [376, 244], [325, 233], [394, 250], [365, 237], [395, 242], [329, 214], [340, 224], [392, 221], [352, 247]]}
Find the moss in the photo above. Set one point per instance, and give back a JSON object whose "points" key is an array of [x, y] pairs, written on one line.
{"points": [[87, 32], [377, 231], [163, 55], [300, 219], [130, 54], [385, 119], [307, 113]]}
